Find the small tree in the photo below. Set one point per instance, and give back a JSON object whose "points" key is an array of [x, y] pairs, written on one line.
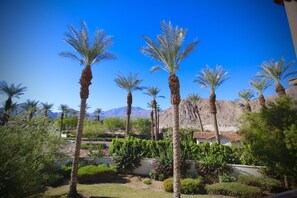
{"points": [[97, 113], [260, 85], [46, 107], [194, 98], [269, 133], [31, 108]]}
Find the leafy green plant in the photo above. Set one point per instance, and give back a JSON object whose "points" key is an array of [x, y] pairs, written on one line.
{"points": [[65, 171], [168, 185], [269, 184], [93, 174], [147, 181], [234, 189], [191, 186], [226, 178], [29, 153]]}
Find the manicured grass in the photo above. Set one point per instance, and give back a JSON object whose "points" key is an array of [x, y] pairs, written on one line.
{"points": [[116, 190]]}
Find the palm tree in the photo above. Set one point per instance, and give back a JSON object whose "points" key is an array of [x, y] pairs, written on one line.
{"points": [[260, 85], [150, 105], [167, 50], [10, 91], [97, 113], [153, 92], [194, 98], [130, 84], [86, 55], [246, 96], [31, 107], [158, 118], [212, 78], [276, 71], [64, 109], [46, 107]]}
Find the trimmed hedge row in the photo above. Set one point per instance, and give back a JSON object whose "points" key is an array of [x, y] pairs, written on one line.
{"points": [[93, 174], [187, 186], [234, 189], [189, 150], [268, 184]]}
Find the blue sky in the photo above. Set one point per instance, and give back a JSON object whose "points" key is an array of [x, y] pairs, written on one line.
{"points": [[239, 35]]}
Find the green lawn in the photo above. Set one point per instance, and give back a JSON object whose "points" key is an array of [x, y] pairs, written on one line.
{"points": [[115, 190]]}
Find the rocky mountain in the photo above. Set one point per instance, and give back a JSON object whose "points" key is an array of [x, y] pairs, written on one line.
{"points": [[121, 112], [228, 112]]}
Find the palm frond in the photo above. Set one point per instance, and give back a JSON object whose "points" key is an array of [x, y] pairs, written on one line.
{"points": [[260, 85], [12, 90], [129, 83], [194, 98], [246, 95]]}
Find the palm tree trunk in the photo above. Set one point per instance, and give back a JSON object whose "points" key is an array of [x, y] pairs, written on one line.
{"points": [[213, 111], [7, 111], [175, 100], [262, 100], [129, 104], [85, 82], [152, 124], [61, 125], [248, 107], [280, 90], [199, 117], [155, 111]]}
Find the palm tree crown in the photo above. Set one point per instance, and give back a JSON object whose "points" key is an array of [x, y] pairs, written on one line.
{"points": [[79, 41], [64, 108], [275, 71], [98, 111], [194, 98], [46, 107], [260, 85], [12, 90], [211, 78], [153, 92], [168, 48], [129, 83], [246, 95]]}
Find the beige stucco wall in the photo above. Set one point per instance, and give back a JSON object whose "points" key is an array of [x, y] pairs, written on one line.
{"points": [[291, 10]]}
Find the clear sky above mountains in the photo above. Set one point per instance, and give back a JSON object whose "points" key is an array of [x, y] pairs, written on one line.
{"points": [[239, 35]]}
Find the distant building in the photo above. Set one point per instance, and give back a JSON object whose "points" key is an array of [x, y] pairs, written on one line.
{"points": [[227, 138]]}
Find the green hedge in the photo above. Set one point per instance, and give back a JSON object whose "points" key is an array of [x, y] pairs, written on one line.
{"points": [[188, 185], [269, 184], [234, 189], [94, 174], [189, 150]]}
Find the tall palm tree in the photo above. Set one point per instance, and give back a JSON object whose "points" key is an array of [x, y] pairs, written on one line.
{"points": [[153, 92], [31, 107], [168, 51], [87, 55], [130, 84], [64, 109], [260, 85], [97, 113], [46, 107], [212, 78], [158, 118], [276, 71], [194, 99], [150, 105], [10, 91], [246, 96]]}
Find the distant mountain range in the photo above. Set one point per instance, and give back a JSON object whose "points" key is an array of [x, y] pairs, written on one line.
{"points": [[117, 112]]}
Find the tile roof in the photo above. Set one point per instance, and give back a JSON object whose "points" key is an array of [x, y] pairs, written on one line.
{"points": [[233, 136]]}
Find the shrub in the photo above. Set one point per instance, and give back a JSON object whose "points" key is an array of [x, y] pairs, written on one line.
{"points": [[54, 180], [191, 186], [168, 185], [65, 171], [269, 184], [234, 189], [226, 178], [93, 174], [147, 181]]}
